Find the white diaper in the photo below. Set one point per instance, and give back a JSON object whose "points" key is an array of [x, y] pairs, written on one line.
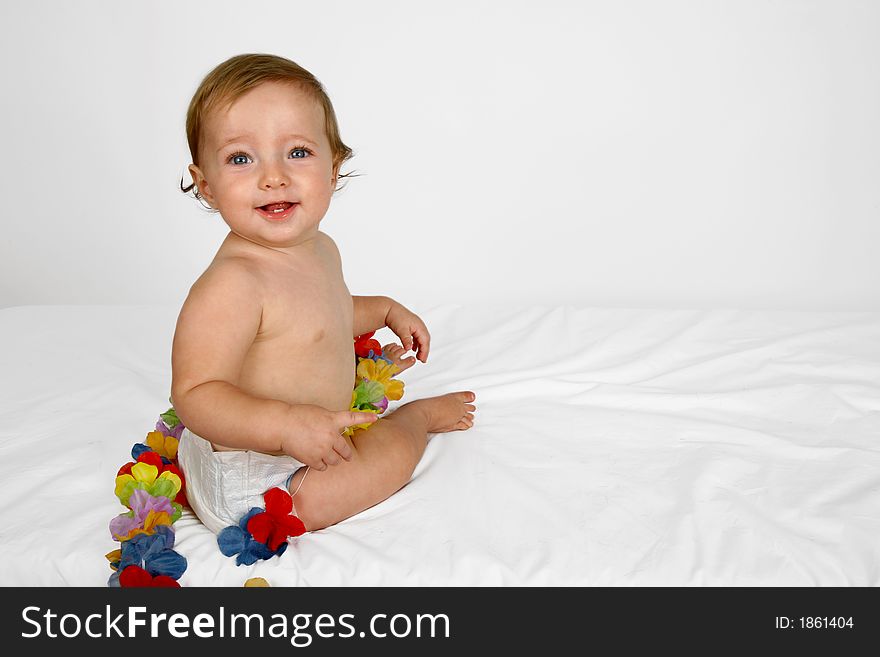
{"points": [[221, 487]]}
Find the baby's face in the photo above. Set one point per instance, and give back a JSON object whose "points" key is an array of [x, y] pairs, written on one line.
{"points": [[268, 147]]}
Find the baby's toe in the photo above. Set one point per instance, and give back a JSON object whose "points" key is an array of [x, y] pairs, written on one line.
{"points": [[394, 353]]}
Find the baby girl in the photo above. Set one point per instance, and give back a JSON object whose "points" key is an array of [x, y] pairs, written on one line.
{"points": [[263, 358]]}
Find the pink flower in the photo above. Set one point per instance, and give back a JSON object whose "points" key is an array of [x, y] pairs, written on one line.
{"points": [[141, 503]]}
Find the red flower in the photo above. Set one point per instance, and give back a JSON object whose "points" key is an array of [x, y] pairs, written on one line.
{"points": [[363, 344], [275, 524], [134, 576]]}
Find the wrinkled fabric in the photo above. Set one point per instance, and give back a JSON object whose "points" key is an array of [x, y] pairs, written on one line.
{"points": [[610, 447]]}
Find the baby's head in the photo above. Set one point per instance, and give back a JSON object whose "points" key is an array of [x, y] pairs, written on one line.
{"points": [[262, 129]]}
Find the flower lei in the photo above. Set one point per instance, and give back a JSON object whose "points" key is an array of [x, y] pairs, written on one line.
{"points": [[153, 489], [373, 382]]}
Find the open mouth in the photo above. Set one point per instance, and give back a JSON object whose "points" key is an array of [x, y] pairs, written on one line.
{"points": [[277, 211], [275, 207]]}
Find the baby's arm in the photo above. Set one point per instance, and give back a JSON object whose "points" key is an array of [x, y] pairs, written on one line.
{"points": [[371, 313], [216, 327]]}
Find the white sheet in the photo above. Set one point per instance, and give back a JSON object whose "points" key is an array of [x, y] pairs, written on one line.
{"points": [[612, 447]]}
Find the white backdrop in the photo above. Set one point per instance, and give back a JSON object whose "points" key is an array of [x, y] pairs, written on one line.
{"points": [[635, 153]]}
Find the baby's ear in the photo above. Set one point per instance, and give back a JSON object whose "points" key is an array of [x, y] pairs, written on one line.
{"points": [[201, 184]]}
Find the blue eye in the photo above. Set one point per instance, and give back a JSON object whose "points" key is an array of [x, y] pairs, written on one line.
{"points": [[236, 158], [299, 153]]}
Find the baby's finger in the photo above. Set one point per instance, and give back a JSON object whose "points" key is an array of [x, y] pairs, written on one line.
{"points": [[424, 341], [342, 448], [350, 418]]}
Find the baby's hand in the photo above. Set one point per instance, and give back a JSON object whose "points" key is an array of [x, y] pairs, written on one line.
{"points": [[313, 435], [410, 329]]}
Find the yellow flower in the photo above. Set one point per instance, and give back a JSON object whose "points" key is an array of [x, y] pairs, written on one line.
{"points": [[161, 444], [143, 472], [169, 483], [394, 389], [381, 372], [376, 370]]}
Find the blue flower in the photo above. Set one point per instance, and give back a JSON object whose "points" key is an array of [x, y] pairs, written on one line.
{"points": [[237, 540], [140, 448], [153, 553]]}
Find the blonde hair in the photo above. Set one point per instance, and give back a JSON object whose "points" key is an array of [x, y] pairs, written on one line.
{"points": [[237, 75]]}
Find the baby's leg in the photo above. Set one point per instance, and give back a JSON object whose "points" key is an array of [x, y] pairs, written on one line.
{"points": [[383, 460]]}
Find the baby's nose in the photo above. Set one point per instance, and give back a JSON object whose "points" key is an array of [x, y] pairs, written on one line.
{"points": [[273, 177], [273, 182]]}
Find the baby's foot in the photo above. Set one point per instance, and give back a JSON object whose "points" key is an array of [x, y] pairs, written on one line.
{"points": [[450, 412], [394, 352]]}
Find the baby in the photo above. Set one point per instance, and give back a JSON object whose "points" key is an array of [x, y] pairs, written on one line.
{"points": [[263, 358]]}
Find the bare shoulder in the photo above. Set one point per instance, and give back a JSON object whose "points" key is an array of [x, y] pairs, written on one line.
{"points": [[331, 248], [231, 285], [229, 273], [217, 324]]}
